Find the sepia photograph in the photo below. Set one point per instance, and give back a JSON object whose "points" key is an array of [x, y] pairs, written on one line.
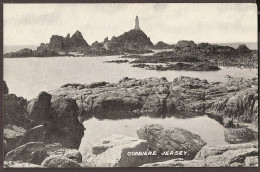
{"points": [[130, 85]]}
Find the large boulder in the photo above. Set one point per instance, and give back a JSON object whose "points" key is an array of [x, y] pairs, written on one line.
{"points": [[114, 151], [65, 126], [238, 135], [60, 162], [39, 108], [12, 135], [15, 111], [162, 139]]}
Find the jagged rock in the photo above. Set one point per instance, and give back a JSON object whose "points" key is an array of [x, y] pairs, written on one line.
{"points": [[15, 111], [161, 138], [60, 162], [113, 152], [39, 109], [12, 135], [15, 164], [238, 135], [243, 49], [6, 89]]}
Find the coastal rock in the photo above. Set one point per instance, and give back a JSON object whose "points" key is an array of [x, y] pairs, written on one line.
{"points": [[12, 135], [6, 89], [59, 162], [15, 111], [15, 164], [161, 138], [113, 152], [72, 154], [39, 109], [238, 135]]}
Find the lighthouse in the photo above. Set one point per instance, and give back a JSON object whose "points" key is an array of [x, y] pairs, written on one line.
{"points": [[137, 23]]}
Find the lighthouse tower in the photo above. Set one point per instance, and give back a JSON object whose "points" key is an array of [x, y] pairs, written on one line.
{"points": [[137, 23]]}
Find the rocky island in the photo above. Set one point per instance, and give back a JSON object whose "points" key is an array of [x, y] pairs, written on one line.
{"points": [[47, 130]]}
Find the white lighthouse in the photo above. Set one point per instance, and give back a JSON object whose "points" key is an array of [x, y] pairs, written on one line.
{"points": [[137, 23]]}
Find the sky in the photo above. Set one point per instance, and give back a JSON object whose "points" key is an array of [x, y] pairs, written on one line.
{"points": [[32, 24]]}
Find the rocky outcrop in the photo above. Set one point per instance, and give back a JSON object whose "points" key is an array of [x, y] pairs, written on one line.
{"points": [[31, 53], [131, 40], [161, 139], [66, 44], [238, 135], [183, 97], [114, 151], [162, 45]]}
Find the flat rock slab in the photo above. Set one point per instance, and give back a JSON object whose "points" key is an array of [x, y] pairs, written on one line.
{"points": [[114, 150]]}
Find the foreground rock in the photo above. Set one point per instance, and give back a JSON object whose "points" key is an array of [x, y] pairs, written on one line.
{"points": [[114, 151], [15, 111], [56, 119], [60, 162], [162, 139], [238, 135], [239, 155], [38, 152], [15, 164]]}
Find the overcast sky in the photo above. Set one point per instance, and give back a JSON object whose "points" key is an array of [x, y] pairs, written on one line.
{"points": [[31, 24]]}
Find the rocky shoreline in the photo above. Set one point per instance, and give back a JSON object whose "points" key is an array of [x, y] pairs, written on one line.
{"points": [[47, 131]]}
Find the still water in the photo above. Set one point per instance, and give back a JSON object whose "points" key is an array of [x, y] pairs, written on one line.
{"points": [[208, 129], [28, 76]]}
